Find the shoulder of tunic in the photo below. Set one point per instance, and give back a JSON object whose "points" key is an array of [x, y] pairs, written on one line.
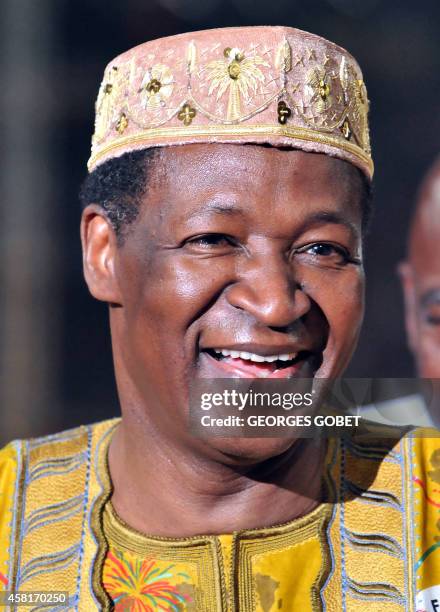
{"points": [[48, 486]]}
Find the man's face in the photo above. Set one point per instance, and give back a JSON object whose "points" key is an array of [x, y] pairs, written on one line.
{"points": [[245, 261]]}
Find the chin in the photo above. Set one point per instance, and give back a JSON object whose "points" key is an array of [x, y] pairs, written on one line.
{"points": [[245, 451]]}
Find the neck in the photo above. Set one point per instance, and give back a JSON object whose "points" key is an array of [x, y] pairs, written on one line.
{"points": [[167, 490]]}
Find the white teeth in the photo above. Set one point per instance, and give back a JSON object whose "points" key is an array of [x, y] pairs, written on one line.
{"points": [[254, 357]]}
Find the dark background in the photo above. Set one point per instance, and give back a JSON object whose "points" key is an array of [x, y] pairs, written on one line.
{"points": [[56, 368]]}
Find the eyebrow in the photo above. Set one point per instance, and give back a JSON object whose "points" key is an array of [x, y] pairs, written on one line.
{"points": [[218, 208], [318, 218], [432, 296], [325, 217]]}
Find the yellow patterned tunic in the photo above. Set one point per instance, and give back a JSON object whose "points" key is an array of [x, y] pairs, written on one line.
{"points": [[374, 547]]}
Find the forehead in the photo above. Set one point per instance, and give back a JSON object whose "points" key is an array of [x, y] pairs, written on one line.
{"points": [[425, 259], [194, 174], [231, 164], [425, 232]]}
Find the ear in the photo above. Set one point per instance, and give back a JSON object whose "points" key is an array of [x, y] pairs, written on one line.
{"points": [[406, 276], [100, 249]]}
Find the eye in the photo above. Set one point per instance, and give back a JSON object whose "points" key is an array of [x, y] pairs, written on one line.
{"points": [[432, 314], [210, 242], [328, 253], [324, 250]]}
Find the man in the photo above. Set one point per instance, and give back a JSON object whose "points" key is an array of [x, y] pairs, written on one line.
{"points": [[420, 277], [223, 219]]}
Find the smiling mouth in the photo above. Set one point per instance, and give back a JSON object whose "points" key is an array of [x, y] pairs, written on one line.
{"points": [[244, 364]]}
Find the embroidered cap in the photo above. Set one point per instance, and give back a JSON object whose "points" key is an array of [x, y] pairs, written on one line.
{"points": [[260, 84]]}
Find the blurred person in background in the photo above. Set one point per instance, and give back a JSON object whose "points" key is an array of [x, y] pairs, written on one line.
{"points": [[223, 222], [420, 277]]}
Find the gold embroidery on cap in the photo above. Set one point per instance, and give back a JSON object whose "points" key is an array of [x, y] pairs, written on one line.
{"points": [[234, 66], [122, 123], [359, 112], [191, 57], [344, 79], [187, 114], [362, 90], [299, 60], [283, 59], [238, 74], [346, 130], [355, 95], [157, 86], [104, 103], [318, 81], [284, 112], [174, 134], [153, 86]]}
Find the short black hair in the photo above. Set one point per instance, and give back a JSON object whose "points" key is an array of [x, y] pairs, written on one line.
{"points": [[119, 184]]}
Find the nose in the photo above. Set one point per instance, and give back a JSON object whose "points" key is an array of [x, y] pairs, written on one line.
{"points": [[267, 289]]}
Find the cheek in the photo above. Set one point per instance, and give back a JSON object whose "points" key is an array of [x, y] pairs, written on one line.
{"points": [[340, 296], [349, 304], [428, 354], [163, 303], [173, 291]]}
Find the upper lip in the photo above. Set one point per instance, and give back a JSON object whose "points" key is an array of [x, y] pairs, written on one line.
{"points": [[265, 350]]}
